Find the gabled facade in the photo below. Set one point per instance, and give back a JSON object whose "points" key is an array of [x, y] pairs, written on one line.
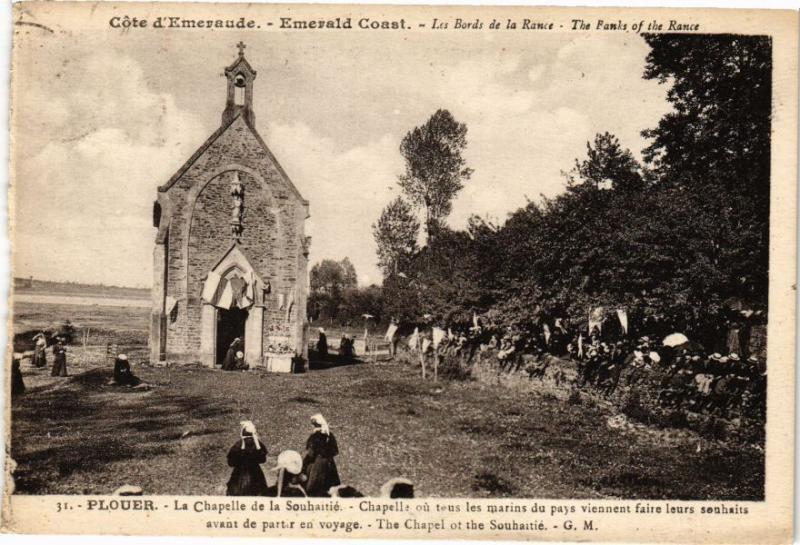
{"points": [[230, 257]]}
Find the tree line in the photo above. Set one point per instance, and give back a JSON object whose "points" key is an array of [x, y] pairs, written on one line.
{"points": [[680, 234]]}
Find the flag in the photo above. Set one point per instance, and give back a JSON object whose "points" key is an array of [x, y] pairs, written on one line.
{"points": [[170, 304], [225, 299], [210, 287], [622, 314], [238, 287], [438, 336], [390, 332], [250, 292], [217, 291], [413, 341]]}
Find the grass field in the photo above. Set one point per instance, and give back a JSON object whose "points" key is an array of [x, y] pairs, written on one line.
{"points": [[455, 439], [79, 435]]}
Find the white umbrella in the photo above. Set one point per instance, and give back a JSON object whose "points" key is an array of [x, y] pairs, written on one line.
{"points": [[675, 339]]}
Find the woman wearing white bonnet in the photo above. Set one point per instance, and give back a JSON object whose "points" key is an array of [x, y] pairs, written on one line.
{"points": [[246, 457], [318, 464], [290, 477]]}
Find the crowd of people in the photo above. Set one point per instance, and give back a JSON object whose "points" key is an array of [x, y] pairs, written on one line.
{"points": [[313, 475], [685, 375], [347, 349], [122, 373]]}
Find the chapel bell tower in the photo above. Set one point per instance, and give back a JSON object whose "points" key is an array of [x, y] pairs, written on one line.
{"points": [[240, 89]]}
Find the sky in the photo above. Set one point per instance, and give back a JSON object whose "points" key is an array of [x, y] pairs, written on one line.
{"points": [[102, 119]]}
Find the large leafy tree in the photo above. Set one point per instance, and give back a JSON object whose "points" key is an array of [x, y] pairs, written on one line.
{"points": [[331, 276], [395, 233], [716, 141], [435, 168], [676, 236], [349, 277], [606, 165], [718, 134]]}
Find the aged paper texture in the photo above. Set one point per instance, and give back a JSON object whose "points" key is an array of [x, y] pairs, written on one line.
{"points": [[402, 272]]}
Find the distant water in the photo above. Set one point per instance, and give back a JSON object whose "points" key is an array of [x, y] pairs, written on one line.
{"points": [[82, 300]]}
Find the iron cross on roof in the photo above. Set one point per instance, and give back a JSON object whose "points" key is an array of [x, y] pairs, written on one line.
{"points": [[241, 47]]}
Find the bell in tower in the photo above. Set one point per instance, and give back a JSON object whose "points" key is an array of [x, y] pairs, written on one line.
{"points": [[240, 77]]}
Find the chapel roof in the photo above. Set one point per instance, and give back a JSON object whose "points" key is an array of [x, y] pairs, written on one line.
{"points": [[213, 138]]}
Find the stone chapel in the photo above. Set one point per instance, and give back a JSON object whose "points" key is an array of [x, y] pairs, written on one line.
{"points": [[230, 258]]}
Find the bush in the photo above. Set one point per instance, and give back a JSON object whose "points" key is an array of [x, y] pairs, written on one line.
{"points": [[452, 368]]}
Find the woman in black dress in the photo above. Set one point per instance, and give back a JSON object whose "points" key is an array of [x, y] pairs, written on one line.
{"points": [[122, 372], [231, 360], [318, 464], [322, 344], [59, 359], [245, 458]]}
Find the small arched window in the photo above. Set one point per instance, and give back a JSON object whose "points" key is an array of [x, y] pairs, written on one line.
{"points": [[239, 84], [156, 214]]}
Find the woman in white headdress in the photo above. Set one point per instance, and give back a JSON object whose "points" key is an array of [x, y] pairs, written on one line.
{"points": [[39, 358], [318, 464], [290, 478], [123, 376], [246, 457]]}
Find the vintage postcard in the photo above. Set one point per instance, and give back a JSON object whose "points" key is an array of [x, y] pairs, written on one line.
{"points": [[402, 272]]}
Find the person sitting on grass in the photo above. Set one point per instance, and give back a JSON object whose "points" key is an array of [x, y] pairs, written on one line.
{"points": [[122, 372], [245, 457], [234, 357], [290, 478], [238, 363], [318, 464], [399, 487], [59, 359]]}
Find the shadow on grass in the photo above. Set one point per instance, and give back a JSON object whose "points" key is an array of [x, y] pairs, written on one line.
{"points": [[316, 362], [86, 424]]}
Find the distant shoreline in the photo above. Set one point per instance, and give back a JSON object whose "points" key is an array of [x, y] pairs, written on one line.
{"points": [[33, 286], [76, 299]]}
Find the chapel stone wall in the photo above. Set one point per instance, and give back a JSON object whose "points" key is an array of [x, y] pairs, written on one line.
{"points": [[199, 236]]}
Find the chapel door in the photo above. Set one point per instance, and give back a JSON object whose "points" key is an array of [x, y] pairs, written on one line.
{"points": [[230, 324]]}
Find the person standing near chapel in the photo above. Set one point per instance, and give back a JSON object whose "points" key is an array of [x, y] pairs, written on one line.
{"points": [[39, 350], [322, 344], [59, 359], [318, 464]]}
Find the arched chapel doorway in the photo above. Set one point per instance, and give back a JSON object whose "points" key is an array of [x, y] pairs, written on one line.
{"points": [[233, 306], [230, 325]]}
